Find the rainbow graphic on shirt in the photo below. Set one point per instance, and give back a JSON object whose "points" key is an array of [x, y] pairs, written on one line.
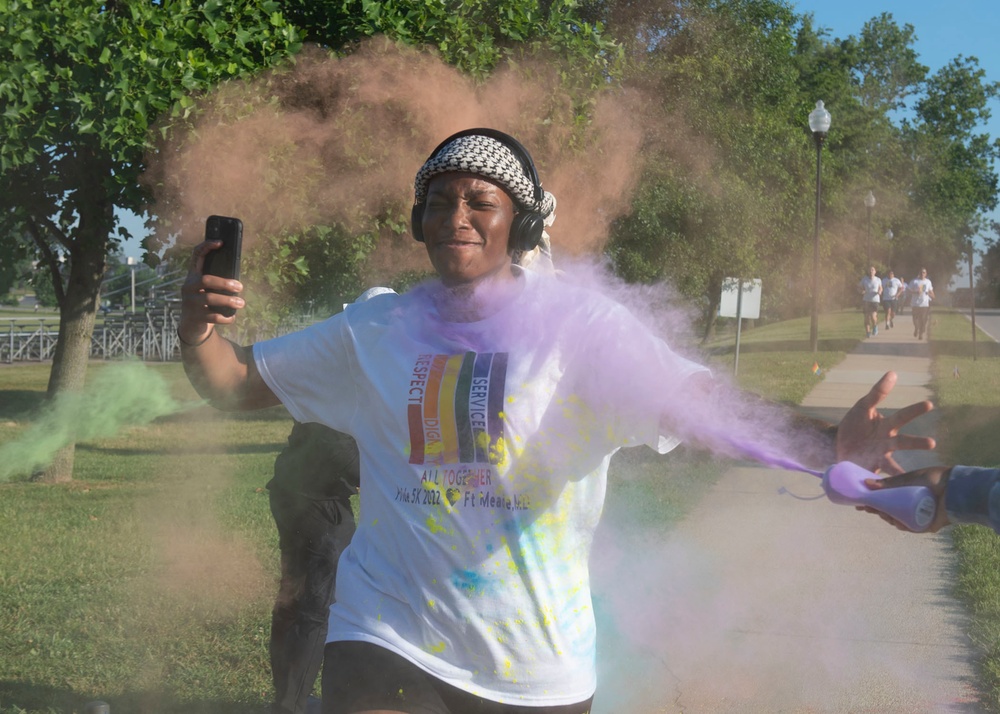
{"points": [[454, 408]]}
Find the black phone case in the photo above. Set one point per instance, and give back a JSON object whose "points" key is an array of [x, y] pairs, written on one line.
{"points": [[225, 260]]}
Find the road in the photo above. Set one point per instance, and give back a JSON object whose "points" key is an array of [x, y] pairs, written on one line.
{"points": [[987, 320]]}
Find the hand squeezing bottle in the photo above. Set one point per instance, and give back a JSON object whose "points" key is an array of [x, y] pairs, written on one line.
{"points": [[914, 506]]}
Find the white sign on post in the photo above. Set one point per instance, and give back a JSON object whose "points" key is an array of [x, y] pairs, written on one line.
{"points": [[749, 306], [740, 299]]}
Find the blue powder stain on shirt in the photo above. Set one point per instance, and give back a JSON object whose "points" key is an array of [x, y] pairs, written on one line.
{"points": [[473, 582]]}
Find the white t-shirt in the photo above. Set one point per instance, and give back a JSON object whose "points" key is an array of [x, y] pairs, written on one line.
{"points": [[484, 454], [891, 288], [871, 284], [921, 289]]}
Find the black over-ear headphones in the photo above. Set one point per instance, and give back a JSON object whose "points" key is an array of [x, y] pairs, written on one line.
{"points": [[526, 230]]}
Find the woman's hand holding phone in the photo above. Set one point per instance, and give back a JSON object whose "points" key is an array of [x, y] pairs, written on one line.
{"points": [[210, 294]]}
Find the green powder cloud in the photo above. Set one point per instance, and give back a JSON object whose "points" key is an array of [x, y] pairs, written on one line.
{"points": [[123, 394]]}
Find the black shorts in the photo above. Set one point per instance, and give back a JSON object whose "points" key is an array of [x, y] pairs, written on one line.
{"points": [[889, 305], [871, 306], [360, 676]]}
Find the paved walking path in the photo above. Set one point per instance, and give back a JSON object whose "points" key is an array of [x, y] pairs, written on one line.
{"points": [[781, 604]]}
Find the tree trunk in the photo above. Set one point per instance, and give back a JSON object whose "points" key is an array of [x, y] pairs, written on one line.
{"points": [[712, 313], [77, 315], [79, 304]]}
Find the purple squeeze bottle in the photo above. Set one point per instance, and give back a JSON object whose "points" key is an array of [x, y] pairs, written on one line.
{"points": [[914, 506]]}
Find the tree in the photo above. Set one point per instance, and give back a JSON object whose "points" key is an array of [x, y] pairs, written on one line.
{"points": [[45, 291], [728, 183], [946, 168], [475, 36], [933, 173], [722, 164], [81, 106], [324, 181], [83, 80], [956, 103], [885, 64], [14, 268]]}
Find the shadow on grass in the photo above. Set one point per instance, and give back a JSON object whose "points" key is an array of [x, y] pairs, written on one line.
{"points": [[266, 448], [20, 403], [952, 348], [832, 345], [204, 412], [27, 697], [24, 404]]}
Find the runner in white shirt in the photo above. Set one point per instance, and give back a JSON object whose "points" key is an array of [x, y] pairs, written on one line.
{"points": [[871, 289], [486, 406], [892, 290], [921, 293]]}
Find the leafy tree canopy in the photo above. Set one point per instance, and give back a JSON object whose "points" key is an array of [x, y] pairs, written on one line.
{"points": [[81, 84], [730, 167], [84, 79], [473, 35]]}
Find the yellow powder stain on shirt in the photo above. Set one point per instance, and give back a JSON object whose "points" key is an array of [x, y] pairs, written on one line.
{"points": [[436, 649], [433, 527], [442, 495], [498, 453]]}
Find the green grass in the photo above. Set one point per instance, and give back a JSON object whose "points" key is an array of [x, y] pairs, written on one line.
{"points": [[46, 312], [968, 393], [775, 360], [148, 581]]}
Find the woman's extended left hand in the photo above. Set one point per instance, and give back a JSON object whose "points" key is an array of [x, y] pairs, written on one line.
{"points": [[868, 438]]}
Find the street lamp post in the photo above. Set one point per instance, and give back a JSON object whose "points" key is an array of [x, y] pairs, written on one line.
{"points": [[869, 204], [819, 124], [131, 269], [889, 236], [972, 297]]}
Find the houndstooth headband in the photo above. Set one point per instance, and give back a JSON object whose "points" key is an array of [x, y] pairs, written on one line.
{"points": [[485, 156]]}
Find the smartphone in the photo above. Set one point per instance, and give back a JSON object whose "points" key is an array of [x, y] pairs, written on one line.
{"points": [[225, 260]]}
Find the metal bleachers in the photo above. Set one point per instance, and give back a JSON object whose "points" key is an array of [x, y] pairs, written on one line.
{"points": [[150, 336]]}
